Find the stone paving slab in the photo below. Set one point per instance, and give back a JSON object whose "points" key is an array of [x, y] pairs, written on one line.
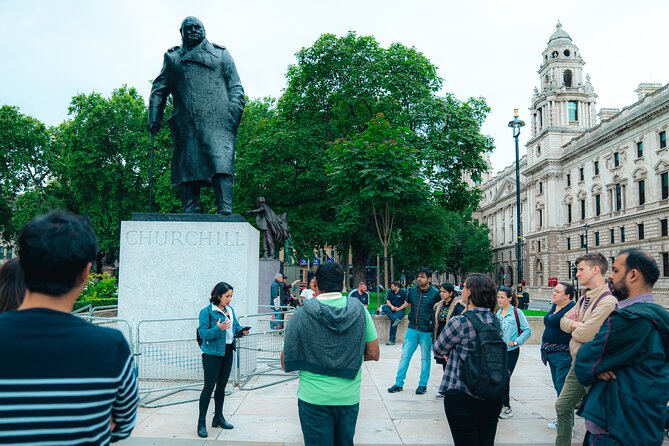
{"points": [[268, 416]]}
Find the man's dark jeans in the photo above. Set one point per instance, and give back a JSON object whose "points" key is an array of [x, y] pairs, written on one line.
{"points": [[473, 422], [327, 425], [392, 315]]}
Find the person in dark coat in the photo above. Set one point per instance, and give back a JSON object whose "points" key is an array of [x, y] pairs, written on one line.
{"points": [[208, 103]]}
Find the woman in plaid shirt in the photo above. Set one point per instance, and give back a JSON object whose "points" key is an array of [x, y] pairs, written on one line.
{"points": [[473, 421]]}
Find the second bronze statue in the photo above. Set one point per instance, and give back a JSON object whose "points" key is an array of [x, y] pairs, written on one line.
{"points": [[208, 101]]}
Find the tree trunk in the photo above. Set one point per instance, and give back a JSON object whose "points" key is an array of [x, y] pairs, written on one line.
{"points": [[360, 257]]}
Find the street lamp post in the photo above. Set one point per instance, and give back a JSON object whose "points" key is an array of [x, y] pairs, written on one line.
{"points": [[586, 237], [516, 125]]}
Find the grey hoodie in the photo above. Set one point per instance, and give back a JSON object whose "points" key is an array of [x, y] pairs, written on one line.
{"points": [[326, 340]]}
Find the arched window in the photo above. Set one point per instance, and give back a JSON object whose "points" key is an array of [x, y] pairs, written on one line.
{"points": [[567, 78]]}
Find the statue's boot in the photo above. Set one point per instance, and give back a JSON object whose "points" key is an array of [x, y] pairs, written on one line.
{"points": [[190, 197], [223, 192]]}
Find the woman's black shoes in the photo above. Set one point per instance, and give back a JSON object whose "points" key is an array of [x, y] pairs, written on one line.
{"points": [[202, 428], [219, 421]]}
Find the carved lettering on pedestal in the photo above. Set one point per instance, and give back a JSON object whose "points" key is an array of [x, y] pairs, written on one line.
{"points": [[187, 238]]}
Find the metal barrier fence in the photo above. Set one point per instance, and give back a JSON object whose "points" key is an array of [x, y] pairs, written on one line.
{"points": [[167, 365], [259, 353], [169, 361]]}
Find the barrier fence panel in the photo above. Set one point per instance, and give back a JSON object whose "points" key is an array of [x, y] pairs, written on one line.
{"points": [[121, 325], [259, 353], [169, 361]]}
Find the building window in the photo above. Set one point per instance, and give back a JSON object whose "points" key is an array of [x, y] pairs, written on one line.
{"points": [[569, 269], [663, 140], [569, 213], [642, 192], [9, 253], [664, 185], [622, 234], [568, 180], [640, 231], [596, 164], [568, 243], [2, 253], [573, 111], [582, 209], [664, 231], [597, 238], [541, 218], [613, 236], [639, 149], [538, 150], [567, 73], [541, 187], [582, 241], [598, 204], [616, 159], [541, 119], [665, 264], [539, 245], [619, 197], [581, 175]]}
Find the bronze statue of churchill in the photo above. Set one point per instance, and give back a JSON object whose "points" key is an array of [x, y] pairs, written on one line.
{"points": [[208, 101]]}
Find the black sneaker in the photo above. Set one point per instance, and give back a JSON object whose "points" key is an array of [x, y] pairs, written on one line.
{"points": [[421, 390], [395, 388]]}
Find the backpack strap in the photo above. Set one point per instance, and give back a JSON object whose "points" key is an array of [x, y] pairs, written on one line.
{"points": [[604, 294], [515, 313]]}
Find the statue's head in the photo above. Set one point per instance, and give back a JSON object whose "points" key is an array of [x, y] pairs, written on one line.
{"points": [[260, 200], [192, 31]]}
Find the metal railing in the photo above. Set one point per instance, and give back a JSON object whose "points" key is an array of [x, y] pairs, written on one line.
{"points": [[259, 353]]}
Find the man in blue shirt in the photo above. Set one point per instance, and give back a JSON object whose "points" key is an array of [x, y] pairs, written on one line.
{"points": [[361, 294], [395, 306]]}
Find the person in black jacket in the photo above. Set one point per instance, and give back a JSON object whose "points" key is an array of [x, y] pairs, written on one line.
{"points": [[626, 364], [421, 315]]}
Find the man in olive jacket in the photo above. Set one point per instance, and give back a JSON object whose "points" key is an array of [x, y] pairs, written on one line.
{"points": [[208, 101], [583, 322], [422, 298], [626, 363]]}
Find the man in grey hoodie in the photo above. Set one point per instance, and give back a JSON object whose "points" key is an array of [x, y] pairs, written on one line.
{"points": [[327, 340]]}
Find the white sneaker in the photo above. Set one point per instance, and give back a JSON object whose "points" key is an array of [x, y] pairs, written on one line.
{"points": [[439, 396], [506, 412], [552, 425]]}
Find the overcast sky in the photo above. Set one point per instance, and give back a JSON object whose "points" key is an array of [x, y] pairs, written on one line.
{"points": [[52, 50]]}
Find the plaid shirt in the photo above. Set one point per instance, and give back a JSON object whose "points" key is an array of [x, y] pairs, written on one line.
{"points": [[459, 335]]}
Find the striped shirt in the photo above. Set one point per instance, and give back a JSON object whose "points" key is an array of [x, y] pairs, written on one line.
{"points": [[62, 380], [456, 341]]}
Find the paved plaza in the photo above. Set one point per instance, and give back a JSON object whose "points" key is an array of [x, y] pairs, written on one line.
{"points": [[268, 416]]}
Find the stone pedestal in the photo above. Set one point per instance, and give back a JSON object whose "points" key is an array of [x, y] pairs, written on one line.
{"points": [[268, 269], [169, 263]]}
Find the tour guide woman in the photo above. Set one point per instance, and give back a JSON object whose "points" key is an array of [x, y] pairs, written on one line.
{"points": [[217, 328]]}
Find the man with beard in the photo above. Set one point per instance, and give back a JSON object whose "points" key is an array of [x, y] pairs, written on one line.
{"points": [[208, 101], [626, 363]]}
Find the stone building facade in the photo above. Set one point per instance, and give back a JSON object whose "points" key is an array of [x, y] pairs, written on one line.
{"points": [[595, 181]]}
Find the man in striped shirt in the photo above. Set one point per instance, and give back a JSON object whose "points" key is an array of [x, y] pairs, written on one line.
{"points": [[63, 381]]}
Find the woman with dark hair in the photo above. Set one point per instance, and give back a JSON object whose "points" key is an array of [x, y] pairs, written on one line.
{"points": [[447, 307], [515, 331], [555, 342], [473, 421], [12, 287], [218, 328]]}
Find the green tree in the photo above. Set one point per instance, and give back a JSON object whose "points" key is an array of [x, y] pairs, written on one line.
{"points": [[103, 158], [468, 246], [373, 173], [24, 162], [339, 84]]}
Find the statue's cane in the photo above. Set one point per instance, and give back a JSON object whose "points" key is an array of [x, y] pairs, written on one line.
{"points": [[151, 173]]}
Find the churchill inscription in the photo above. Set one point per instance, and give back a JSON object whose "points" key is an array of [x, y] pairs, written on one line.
{"points": [[185, 238]]}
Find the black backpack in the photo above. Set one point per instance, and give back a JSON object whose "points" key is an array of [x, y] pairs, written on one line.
{"points": [[485, 371]]}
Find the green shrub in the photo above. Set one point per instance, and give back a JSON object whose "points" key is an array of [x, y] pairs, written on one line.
{"points": [[99, 287], [95, 303]]}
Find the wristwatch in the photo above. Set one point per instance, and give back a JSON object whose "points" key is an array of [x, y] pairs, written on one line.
{"points": [[515, 343]]}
